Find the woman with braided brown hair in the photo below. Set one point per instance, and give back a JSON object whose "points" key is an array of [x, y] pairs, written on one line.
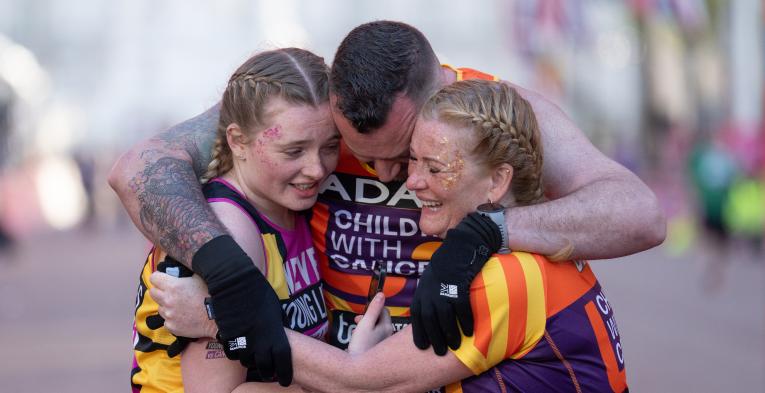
{"points": [[539, 326], [275, 144]]}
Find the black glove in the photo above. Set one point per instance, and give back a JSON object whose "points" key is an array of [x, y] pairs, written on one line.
{"points": [[174, 268], [444, 286], [246, 308]]}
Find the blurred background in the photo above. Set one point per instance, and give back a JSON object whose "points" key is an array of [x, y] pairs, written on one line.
{"points": [[672, 89]]}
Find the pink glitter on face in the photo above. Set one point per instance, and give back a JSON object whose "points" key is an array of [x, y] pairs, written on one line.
{"points": [[265, 138], [273, 132]]}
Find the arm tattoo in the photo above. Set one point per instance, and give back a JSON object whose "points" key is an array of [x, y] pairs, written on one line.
{"points": [[195, 136], [172, 207]]}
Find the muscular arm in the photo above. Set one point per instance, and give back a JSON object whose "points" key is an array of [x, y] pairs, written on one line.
{"points": [[602, 208], [394, 365], [156, 181]]}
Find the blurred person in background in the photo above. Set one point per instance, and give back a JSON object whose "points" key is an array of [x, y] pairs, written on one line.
{"points": [[744, 213], [382, 74], [86, 164], [540, 325], [6, 105], [713, 170], [275, 144]]}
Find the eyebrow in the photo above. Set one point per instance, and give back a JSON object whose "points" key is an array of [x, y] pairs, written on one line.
{"points": [[435, 160], [305, 141], [426, 158]]}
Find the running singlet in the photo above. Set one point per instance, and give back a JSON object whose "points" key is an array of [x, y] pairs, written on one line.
{"points": [[359, 219], [540, 326], [291, 269]]}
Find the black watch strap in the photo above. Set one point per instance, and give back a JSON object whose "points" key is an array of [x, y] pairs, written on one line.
{"points": [[496, 213]]}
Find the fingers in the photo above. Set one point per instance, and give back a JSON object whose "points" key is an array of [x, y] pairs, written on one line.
{"points": [[160, 280], [264, 362], [283, 363], [386, 323], [448, 323], [433, 331], [419, 334], [375, 308], [385, 318], [465, 316]]}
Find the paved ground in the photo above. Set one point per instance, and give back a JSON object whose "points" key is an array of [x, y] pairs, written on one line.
{"points": [[66, 302]]}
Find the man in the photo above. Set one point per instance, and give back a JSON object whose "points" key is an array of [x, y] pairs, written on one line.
{"points": [[383, 72]]}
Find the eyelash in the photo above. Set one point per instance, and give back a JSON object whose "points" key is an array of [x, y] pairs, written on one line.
{"points": [[432, 170], [332, 147]]}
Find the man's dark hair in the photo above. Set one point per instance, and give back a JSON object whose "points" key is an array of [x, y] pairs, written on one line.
{"points": [[374, 63]]}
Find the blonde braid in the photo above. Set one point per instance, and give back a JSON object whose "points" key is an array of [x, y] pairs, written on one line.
{"points": [[524, 119], [222, 157], [221, 161], [252, 80], [506, 131]]}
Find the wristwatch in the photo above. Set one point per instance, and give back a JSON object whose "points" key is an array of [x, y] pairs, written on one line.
{"points": [[496, 213]]}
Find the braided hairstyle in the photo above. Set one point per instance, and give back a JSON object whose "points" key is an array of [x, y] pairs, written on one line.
{"points": [[505, 130], [295, 75]]}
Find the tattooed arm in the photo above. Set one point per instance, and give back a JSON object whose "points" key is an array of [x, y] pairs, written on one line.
{"points": [[157, 182]]}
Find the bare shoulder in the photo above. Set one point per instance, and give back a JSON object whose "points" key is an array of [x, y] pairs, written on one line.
{"points": [[570, 159], [242, 228]]}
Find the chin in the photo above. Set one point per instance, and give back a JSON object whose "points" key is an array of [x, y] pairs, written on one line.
{"points": [[431, 231], [300, 205]]}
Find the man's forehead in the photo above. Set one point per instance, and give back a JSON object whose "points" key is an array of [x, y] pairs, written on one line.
{"points": [[367, 148]]}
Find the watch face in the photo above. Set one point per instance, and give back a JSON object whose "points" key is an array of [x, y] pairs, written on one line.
{"points": [[490, 208]]}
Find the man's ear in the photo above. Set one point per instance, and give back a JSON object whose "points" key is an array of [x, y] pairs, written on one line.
{"points": [[501, 178], [236, 139]]}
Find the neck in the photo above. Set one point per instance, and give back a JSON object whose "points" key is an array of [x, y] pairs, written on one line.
{"points": [[276, 213], [508, 200]]}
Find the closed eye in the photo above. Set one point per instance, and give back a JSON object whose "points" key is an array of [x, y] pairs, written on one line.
{"points": [[293, 152]]}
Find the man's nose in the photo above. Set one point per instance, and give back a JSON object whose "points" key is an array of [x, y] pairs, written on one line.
{"points": [[387, 170]]}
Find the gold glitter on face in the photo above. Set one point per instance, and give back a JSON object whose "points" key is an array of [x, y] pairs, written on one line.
{"points": [[453, 164], [444, 175], [453, 172]]}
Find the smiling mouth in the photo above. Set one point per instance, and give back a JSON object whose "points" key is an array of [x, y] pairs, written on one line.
{"points": [[304, 186], [431, 204]]}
